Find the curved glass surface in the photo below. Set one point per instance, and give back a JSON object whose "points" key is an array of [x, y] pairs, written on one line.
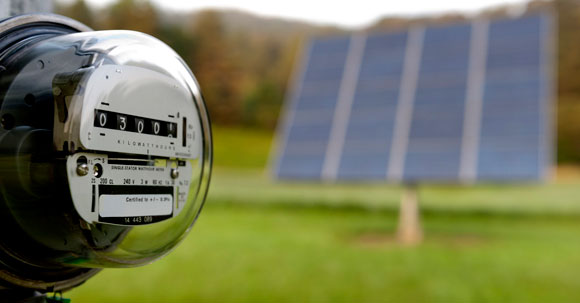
{"points": [[105, 150]]}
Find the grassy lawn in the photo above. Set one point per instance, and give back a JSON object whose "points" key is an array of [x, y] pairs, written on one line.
{"points": [[240, 253], [260, 241], [241, 148]]}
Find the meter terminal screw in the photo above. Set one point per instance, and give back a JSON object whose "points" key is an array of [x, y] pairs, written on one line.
{"points": [[174, 173], [82, 169]]}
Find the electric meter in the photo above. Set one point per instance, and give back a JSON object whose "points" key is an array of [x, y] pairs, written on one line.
{"points": [[105, 151]]}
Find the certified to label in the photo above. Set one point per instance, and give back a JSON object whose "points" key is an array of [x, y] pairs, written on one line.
{"points": [[135, 205]]}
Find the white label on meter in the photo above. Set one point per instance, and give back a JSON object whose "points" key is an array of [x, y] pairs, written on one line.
{"points": [[134, 110], [135, 205], [127, 191]]}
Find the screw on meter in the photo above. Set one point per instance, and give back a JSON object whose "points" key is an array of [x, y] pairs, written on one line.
{"points": [[132, 135]]}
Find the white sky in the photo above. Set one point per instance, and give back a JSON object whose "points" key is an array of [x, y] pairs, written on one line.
{"points": [[344, 13]]}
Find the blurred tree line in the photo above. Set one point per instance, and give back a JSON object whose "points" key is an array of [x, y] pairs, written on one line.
{"points": [[243, 62]]}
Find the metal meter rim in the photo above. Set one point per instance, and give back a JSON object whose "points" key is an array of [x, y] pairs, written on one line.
{"points": [[14, 30], [41, 19], [17, 28]]}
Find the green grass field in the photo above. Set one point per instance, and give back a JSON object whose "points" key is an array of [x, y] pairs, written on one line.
{"points": [[260, 241]]}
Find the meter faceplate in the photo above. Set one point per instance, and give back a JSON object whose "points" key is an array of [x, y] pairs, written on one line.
{"points": [[127, 112], [126, 191]]}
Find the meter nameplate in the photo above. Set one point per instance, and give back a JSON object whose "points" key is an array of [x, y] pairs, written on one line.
{"points": [[135, 110], [128, 191], [111, 206]]}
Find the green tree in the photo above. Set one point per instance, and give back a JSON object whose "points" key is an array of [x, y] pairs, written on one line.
{"points": [[178, 39], [137, 15], [262, 105], [568, 69], [80, 11], [216, 68]]}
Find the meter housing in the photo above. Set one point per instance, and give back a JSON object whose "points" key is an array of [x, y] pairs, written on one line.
{"points": [[105, 151]]}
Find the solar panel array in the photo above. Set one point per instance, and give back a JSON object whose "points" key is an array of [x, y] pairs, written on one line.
{"points": [[465, 102]]}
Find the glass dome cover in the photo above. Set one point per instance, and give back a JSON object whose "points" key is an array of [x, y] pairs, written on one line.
{"points": [[105, 149]]}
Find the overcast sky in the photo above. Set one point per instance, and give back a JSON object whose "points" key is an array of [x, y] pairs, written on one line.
{"points": [[344, 13]]}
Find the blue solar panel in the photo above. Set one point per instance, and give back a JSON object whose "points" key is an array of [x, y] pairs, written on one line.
{"points": [[434, 145], [313, 109], [370, 127], [514, 111], [464, 102]]}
